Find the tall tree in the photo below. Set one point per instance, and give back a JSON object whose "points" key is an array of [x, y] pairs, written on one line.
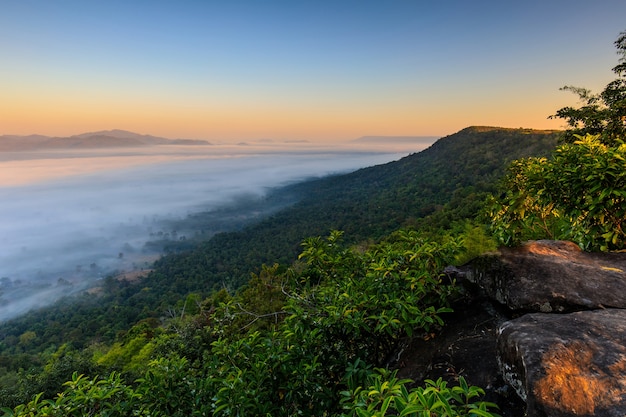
{"points": [[602, 114]]}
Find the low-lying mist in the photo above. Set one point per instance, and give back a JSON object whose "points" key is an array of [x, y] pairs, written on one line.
{"points": [[101, 213]]}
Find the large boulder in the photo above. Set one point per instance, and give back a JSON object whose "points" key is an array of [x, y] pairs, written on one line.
{"points": [[545, 320], [551, 276], [567, 364]]}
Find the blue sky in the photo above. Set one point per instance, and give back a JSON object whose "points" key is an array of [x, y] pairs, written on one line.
{"points": [[316, 70]]}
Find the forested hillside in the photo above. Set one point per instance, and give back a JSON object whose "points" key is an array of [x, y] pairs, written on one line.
{"points": [[456, 173], [436, 189]]}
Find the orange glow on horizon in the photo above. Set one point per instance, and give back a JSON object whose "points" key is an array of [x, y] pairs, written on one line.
{"points": [[212, 122]]}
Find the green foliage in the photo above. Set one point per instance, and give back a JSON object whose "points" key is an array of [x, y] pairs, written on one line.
{"points": [[366, 302], [81, 397], [258, 305], [579, 194], [269, 374], [386, 395], [476, 241], [601, 114], [58, 368], [345, 310], [343, 307], [132, 352], [169, 388]]}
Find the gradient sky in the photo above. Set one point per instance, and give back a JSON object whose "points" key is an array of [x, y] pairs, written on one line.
{"points": [[315, 70]]}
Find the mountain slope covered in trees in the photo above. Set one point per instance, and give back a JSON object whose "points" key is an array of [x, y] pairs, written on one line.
{"points": [[431, 189]]}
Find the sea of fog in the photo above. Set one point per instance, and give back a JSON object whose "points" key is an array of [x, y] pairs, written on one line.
{"points": [[68, 219]]}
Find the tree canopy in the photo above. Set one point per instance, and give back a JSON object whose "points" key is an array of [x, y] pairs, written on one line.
{"points": [[602, 114], [340, 312], [579, 195]]}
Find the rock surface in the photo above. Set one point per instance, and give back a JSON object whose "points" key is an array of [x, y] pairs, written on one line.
{"points": [[545, 321], [567, 365], [551, 276]]}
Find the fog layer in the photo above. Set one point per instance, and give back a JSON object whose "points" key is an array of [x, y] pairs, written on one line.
{"points": [[95, 215]]}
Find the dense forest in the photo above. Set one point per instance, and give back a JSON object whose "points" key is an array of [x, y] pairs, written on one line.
{"points": [[302, 312]]}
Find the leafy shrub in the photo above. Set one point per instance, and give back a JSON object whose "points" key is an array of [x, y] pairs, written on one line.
{"points": [[579, 194], [169, 388], [387, 395], [344, 311], [366, 302], [81, 397]]}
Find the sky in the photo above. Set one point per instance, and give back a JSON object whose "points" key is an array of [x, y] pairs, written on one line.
{"points": [[298, 70]]}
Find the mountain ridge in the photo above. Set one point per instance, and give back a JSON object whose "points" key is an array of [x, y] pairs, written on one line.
{"points": [[432, 188], [115, 138]]}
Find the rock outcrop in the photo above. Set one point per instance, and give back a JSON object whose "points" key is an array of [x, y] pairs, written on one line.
{"points": [[552, 276], [570, 364], [567, 365], [542, 327]]}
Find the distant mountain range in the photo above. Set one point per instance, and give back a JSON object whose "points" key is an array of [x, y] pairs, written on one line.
{"points": [[117, 138], [92, 140]]}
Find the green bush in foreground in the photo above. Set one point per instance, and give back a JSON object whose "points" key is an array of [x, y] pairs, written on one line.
{"points": [[388, 396], [343, 313], [345, 310]]}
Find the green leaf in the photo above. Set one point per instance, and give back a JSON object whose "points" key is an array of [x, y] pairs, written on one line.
{"points": [[385, 405], [411, 409], [481, 413]]}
